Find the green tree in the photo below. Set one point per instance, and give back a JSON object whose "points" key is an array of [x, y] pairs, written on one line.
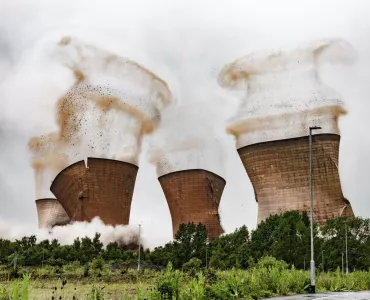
{"points": [[285, 237], [231, 250], [190, 241], [358, 238]]}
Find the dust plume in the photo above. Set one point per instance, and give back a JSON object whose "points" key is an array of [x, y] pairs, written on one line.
{"points": [[48, 159], [188, 137], [284, 94], [123, 235], [112, 104]]}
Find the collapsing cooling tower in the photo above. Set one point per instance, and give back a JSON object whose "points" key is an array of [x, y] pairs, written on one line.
{"points": [[285, 98], [50, 213], [104, 188], [112, 104]]}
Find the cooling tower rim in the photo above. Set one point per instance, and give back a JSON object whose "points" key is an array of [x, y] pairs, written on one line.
{"points": [[334, 136], [108, 159], [189, 170], [67, 168], [45, 199], [83, 162], [91, 158]]}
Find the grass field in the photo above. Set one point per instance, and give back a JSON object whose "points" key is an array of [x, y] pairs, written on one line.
{"points": [[255, 283], [46, 289]]}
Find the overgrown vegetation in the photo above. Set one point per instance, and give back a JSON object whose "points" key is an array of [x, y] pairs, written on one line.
{"points": [[268, 277], [270, 260]]}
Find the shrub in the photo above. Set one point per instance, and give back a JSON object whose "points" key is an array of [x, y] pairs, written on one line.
{"points": [[4, 295], [96, 293], [269, 261], [192, 266], [196, 289], [168, 284], [97, 264]]}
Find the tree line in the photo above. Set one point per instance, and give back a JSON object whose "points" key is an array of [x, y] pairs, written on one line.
{"points": [[285, 237]]}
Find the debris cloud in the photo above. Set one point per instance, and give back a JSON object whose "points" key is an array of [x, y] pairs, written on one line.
{"points": [[112, 104], [189, 137], [123, 235], [283, 89]]}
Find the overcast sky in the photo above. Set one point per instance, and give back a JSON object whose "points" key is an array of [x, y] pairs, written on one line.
{"points": [[186, 43]]}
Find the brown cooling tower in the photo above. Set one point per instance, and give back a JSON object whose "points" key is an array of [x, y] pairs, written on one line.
{"points": [[279, 172], [194, 196], [51, 213], [104, 189]]}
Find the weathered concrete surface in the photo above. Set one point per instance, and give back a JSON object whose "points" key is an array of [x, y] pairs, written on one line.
{"points": [[279, 172], [330, 296], [194, 196], [104, 189], [51, 213]]}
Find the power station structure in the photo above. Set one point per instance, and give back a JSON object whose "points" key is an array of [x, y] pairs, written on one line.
{"points": [[191, 187], [285, 98], [280, 176], [50, 213], [102, 188], [104, 115], [193, 196]]}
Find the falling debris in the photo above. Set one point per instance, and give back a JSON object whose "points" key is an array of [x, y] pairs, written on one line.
{"points": [[101, 120], [113, 102]]}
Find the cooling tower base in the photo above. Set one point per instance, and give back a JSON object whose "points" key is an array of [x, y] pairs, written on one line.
{"points": [[103, 189], [279, 172], [194, 196], [51, 213]]}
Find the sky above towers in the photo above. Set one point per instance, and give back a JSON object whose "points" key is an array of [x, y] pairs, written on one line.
{"points": [[186, 43]]}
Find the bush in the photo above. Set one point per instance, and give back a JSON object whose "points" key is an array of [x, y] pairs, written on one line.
{"points": [[97, 264], [269, 261], [192, 266], [196, 289], [4, 295], [168, 284], [96, 293], [193, 263]]}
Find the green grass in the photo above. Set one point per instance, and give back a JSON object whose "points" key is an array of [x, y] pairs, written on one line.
{"points": [[45, 289], [255, 283]]}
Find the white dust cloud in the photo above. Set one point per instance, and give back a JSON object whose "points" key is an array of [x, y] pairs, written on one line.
{"points": [[284, 94], [189, 137], [123, 235]]}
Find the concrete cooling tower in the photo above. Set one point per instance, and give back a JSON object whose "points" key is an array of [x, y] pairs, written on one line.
{"points": [[194, 196], [103, 188], [51, 213], [189, 160], [285, 97]]}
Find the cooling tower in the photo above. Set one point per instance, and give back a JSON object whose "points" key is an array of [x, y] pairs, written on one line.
{"points": [[279, 172], [102, 189], [51, 213], [285, 98], [194, 196]]}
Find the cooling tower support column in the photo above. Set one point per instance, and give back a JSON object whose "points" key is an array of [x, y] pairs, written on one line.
{"points": [[194, 196], [279, 172], [51, 213], [104, 189]]}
